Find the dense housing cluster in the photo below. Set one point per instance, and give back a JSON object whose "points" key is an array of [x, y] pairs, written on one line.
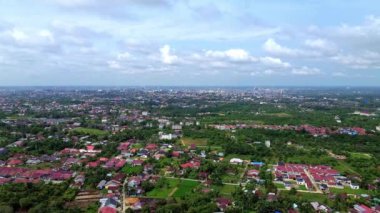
{"points": [[189, 150]]}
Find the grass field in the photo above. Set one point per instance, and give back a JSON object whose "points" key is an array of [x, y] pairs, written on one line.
{"points": [[231, 178], [360, 155], [279, 185], [348, 190], [280, 115], [185, 187], [164, 192], [309, 159], [196, 141], [313, 197], [227, 189], [179, 187], [90, 131], [302, 187], [342, 166]]}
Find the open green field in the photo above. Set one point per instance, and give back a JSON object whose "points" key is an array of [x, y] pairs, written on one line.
{"points": [[321, 198], [302, 187], [279, 114], [227, 189], [164, 192], [348, 190], [279, 185], [196, 141], [175, 188], [309, 159], [89, 131], [185, 187], [342, 166], [360, 155], [313, 197], [228, 178]]}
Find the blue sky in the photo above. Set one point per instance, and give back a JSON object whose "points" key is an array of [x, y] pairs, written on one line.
{"points": [[200, 42]]}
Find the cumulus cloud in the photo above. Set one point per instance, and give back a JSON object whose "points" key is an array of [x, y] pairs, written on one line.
{"points": [[274, 62], [320, 44], [273, 47], [18, 35], [232, 54], [166, 56]]}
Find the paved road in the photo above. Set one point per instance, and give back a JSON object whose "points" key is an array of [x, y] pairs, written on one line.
{"points": [[312, 181]]}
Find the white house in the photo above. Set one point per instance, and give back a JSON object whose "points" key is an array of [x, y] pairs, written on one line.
{"points": [[354, 186], [236, 161], [267, 143], [166, 136]]}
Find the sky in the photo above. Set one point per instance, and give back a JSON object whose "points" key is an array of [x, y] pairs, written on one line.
{"points": [[190, 42]]}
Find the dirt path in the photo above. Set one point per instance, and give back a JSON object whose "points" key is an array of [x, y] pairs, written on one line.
{"points": [[173, 191]]}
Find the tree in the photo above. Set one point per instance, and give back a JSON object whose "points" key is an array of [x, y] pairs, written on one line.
{"points": [[6, 209], [25, 202], [293, 191]]}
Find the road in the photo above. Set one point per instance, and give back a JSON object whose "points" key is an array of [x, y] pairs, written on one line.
{"points": [[123, 197], [312, 181]]}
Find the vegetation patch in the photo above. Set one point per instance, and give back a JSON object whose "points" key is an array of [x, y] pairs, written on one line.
{"points": [[227, 189], [90, 131], [360, 155], [348, 190], [163, 190], [196, 141], [185, 187]]}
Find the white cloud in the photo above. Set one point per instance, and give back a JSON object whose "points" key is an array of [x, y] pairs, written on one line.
{"points": [[18, 35], [371, 27], [114, 64], [306, 71], [274, 62], [320, 44], [46, 34], [232, 54], [166, 56], [273, 47], [365, 60], [123, 56]]}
